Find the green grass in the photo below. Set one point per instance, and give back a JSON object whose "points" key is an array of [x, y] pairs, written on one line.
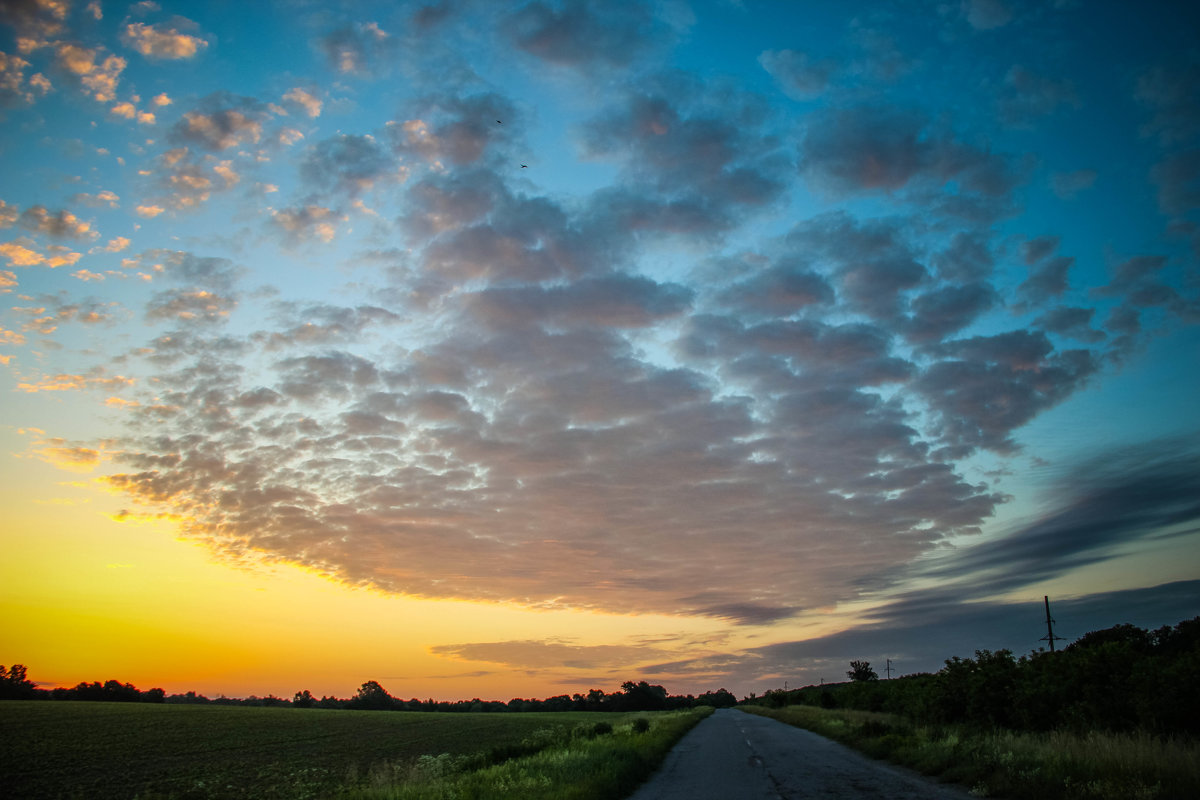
{"points": [[1020, 766], [594, 766], [155, 752]]}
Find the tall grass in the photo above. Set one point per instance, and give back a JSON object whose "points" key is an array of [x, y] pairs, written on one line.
{"points": [[591, 763], [1022, 766]]}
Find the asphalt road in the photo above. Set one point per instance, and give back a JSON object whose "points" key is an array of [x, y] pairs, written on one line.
{"points": [[732, 755]]}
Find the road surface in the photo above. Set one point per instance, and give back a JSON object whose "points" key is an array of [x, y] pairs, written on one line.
{"points": [[732, 755]]}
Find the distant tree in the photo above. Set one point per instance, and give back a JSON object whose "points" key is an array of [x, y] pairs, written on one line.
{"points": [[304, 699], [721, 698], [372, 696], [641, 696], [14, 685], [861, 671]]}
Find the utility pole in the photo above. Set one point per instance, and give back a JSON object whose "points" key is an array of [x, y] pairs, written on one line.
{"points": [[1049, 637], [888, 669]]}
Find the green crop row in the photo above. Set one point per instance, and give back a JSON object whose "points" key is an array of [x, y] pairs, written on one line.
{"points": [[600, 762], [154, 752]]}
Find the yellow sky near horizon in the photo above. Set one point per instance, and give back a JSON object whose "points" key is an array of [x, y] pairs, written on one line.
{"points": [[87, 596]]}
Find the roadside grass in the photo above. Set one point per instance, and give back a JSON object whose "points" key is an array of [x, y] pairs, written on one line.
{"points": [[1022, 766], [597, 762], [139, 751]]}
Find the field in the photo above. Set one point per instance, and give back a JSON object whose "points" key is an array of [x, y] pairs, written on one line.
{"points": [[147, 751]]}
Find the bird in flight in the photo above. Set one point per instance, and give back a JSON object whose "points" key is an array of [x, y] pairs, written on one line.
{"points": [[498, 122], [524, 166]]}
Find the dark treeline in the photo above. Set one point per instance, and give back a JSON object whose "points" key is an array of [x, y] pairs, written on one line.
{"points": [[640, 696], [1122, 678]]}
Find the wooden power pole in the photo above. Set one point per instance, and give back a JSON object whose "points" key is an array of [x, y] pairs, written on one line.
{"points": [[1049, 637]]}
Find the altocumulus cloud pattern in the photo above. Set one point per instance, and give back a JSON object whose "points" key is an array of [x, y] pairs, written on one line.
{"points": [[730, 310]]}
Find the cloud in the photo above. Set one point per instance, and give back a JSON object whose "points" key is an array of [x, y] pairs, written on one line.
{"points": [[37, 19], [1071, 321], [1069, 184], [349, 165], [1047, 272], [360, 49], [309, 325], [983, 15], [920, 632], [1178, 181], [306, 223], [306, 100], [688, 164], [102, 199], [584, 35], [550, 654], [613, 301], [159, 42], [95, 379], [798, 76], [1168, 91], [846, 151], [985, 387], [20, 253], [222, 121], [14, 88], [1119, 497], [188, 180], [190, 305], [1140, 283], [941, 312], [216, 274], [98, 74], [456, 130], [60, 224], [1027, 96]]}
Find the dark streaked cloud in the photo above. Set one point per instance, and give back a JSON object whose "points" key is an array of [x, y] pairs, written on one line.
{"points": [[921, 632], [1111, 501]]}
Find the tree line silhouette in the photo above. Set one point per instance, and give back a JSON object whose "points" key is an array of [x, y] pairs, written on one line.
{"points": [[371, 696], [1122, 678]]}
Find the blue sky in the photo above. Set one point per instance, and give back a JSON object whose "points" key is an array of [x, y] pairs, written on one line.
{"points": [[778, 320]]}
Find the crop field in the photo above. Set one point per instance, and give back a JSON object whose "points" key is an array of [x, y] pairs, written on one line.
{"points": [[146, 751]]}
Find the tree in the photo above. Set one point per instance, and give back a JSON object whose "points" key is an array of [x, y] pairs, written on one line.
{"points": [[13, 683], [372, 696], [861, 671], [304, 699]]}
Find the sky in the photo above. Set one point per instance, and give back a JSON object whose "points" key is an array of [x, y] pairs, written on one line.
{"points": [[517, 349]]}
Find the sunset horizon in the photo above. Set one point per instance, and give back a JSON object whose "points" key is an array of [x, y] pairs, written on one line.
{"points": [[516, 350]]}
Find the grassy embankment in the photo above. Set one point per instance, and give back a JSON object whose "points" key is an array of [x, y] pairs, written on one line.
{"points": [[1020, 766], [168, 752], [591, 764]]}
